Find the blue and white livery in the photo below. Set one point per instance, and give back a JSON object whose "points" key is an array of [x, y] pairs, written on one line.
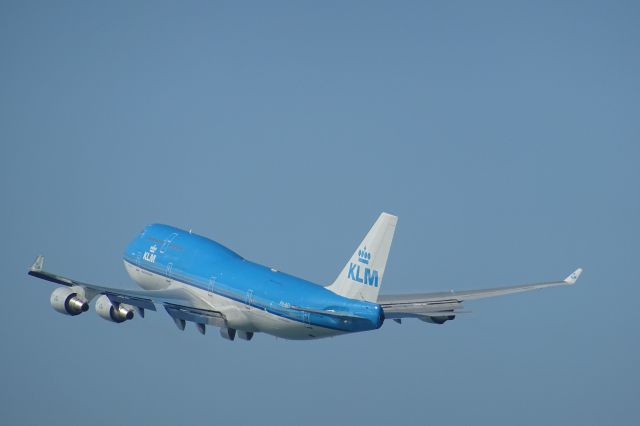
{"points": [[195, 279]]}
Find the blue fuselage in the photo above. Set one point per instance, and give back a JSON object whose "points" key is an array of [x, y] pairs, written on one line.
{"points": [[207, 267]]}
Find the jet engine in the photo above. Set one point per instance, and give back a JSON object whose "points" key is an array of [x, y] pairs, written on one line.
{"points": [[113, 312], [228, 333], [69, 301]]}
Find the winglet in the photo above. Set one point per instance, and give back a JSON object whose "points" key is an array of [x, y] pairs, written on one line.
{"points": [[38, 264], [571, 279]]}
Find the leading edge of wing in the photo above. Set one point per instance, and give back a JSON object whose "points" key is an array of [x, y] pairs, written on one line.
{"points": [[139, 298], [459, 296]]}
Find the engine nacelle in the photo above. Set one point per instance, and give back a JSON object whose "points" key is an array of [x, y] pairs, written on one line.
{"points": [[228, 333], [69, 301], [114, 313]]}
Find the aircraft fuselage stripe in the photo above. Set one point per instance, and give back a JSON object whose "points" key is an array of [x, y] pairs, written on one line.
{"points": [[194, 283]]}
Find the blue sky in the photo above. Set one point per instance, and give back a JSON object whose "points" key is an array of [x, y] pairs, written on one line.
{"points": [[503, 134]]}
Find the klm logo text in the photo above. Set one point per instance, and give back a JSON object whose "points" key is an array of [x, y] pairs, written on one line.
{"points": [[368, 276], [363, 274], [150, 256]]}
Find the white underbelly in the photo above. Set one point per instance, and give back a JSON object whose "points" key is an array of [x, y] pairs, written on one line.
{"points": [[239, 315]]}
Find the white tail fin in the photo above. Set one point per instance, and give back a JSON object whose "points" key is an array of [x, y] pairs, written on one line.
{"points": [[361, 277]]}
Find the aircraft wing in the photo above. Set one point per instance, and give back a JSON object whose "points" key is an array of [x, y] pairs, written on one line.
{"points": [[443, 306], [181, 304]]}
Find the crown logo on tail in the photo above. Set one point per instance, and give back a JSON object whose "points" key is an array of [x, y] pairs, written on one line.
{"points": [[364, 256]]}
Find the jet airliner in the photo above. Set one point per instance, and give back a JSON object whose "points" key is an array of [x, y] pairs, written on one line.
{"points": [[200, 281]]}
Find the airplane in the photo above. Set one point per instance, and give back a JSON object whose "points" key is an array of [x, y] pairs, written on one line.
{"points": [[200, 281]]}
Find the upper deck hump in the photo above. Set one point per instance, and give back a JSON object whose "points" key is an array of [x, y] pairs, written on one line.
{"points": [[182, 239]]}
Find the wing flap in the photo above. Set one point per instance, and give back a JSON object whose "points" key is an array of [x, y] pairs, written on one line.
{"points": [[200, 316], [138, 302]]}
